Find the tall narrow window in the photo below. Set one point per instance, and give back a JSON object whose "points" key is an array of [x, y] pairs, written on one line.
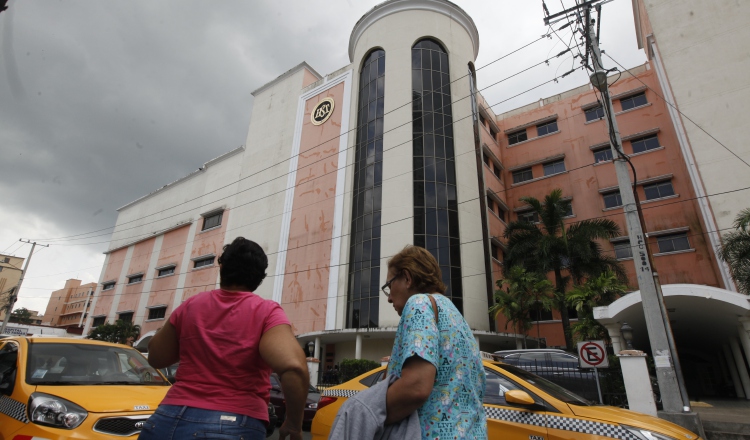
{"points": [[435, 200], [364, 250]]}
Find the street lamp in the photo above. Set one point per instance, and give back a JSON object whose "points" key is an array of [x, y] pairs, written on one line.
{"points": [[627, 334], [310, 348], [599, 79]]}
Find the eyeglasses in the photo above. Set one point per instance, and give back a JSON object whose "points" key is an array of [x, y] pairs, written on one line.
{"points": [[386, 288]]}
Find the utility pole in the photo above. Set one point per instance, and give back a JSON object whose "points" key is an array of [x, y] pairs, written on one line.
{"points": [[14, 293], [673, 393]]}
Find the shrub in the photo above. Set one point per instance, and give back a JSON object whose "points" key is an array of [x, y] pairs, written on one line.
{"points": [[351, 368]]}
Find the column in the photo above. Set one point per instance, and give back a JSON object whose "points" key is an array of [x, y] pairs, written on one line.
{"points": [[744, 330], [312, 368], [741, 369], [316, 354], [637, 382], [358, 347], [519, 344], [733, 371], [615, 336]]}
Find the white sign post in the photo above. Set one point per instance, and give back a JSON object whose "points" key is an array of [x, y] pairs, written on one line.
{"points": [[593, 354]]}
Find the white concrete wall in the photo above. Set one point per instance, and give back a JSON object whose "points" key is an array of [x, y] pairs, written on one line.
{"points": [[396, 34], [705, 49]]}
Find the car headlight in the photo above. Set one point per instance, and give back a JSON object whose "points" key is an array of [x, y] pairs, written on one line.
{"points": [[645, 434], [312, 405], [45, 409]]}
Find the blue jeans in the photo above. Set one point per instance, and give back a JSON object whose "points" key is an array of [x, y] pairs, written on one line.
{"points": [[181, 422]]}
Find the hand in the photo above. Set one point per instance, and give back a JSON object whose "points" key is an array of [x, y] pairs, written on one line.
{"points": [[293, 433]]}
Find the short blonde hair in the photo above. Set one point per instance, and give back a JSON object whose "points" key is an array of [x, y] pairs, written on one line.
{"points": [[422, 266]]}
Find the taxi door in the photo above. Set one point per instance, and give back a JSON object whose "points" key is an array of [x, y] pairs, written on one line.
{"points": [[508, 422]]}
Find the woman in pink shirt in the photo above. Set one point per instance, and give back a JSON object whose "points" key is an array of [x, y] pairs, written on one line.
{"points": [[227, 342]]}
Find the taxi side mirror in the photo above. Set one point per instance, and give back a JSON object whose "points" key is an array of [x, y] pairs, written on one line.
{"points": [[519, 397]]}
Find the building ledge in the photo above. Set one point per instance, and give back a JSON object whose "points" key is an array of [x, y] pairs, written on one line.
{"points": [[537, 179], [533, 139], [662, 254], [674, 196]]}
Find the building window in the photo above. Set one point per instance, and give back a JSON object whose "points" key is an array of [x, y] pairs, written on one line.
{"points": [[633, 101], [126, 317], [595, 113], [516, 137], [496, 171], [623, 251], [528, 217], [436, 226], [537, 313], [612, 199], [644, 144], [496, 252], [556, 167], [212, 221], [157, 312], [568, 210], [486, 159], [203, 262], [603, 155], [546, 128], [490, 204], [658, 190], [673, 243], [522, 175], [166, 271], [135, 279], [108, 286], [364, 251]]}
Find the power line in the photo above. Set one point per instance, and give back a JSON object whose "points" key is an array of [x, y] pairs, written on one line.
{"points": [[285, 160]]}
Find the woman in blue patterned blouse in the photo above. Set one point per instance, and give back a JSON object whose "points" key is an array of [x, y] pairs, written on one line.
{"points": [[437, 360]]}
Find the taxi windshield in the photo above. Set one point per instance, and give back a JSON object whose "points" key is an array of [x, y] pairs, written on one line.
{"points": [[548, 387], [87, 364]]}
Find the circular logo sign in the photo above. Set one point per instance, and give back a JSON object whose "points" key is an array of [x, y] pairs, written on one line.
{"points": [[322, 111]]}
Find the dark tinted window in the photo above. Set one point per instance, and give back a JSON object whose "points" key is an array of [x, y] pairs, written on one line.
{"points": [[603, 155], [658, 190], [673, 243], [612, 200], [8, 368], [549, 127], [554, 167], [373, 378], [98, 321], [528, 216], [645, 144], [364, 261], [496, 387], [158, 313], [623, 250], [519, 136], [633, 101], [595, 113], [436, 225], [127, 317], [212, 221], [522, 175], [166, 271], [204, 262], [565, 360]]}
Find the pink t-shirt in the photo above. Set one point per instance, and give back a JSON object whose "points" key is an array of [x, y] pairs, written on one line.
{"points": [[220, 364]]}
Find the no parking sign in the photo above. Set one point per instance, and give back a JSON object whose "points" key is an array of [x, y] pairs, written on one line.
{"points": [[592, 354]]}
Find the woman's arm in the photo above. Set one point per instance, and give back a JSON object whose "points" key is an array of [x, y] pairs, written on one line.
{"points": [[411, 390], [164, 347], [281, 351]]}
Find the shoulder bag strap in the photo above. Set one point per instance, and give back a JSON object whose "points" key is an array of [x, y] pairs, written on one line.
{"points": [[435, 309]]}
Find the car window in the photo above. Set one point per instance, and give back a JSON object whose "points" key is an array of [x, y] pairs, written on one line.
{"points": [[497, 386], [8, 367], [88, 364], [275, 382], [564, 360], [548, 387], [373, 378], [532, 359]]}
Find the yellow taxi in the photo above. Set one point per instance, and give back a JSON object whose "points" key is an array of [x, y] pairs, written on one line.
{"points": [[54, 388], [523, 406]]}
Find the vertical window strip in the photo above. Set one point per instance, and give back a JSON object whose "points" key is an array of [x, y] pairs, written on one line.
{"points": [[364, 250], [434, 170]]}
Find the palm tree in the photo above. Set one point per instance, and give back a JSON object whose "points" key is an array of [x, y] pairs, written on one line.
{"points": [[550, 246], [524, 292], [735, 250], [597, 291]]}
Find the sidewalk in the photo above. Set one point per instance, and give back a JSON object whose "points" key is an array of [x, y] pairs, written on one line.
{"points": [[724, 419]]}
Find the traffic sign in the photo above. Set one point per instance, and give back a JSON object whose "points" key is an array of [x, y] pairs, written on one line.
{"points": [[592, 354]]}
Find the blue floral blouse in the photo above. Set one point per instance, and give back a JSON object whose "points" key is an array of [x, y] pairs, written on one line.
{"points": [[454, 409]]}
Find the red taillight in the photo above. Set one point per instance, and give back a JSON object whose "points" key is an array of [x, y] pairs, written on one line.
{"points": [[325, 401]]}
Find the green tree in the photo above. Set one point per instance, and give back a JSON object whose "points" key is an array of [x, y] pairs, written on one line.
{"points": [[569, 252], [524, 293], [594, 292], [735, 251], [119, 332], [21, 316]]}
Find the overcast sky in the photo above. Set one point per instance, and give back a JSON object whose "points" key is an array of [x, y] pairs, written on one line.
{"points": [[103, 102]]}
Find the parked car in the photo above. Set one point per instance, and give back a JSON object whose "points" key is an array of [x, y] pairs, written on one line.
{"points": [[520, 406], [555, 365], [277, 398], [75, 388]]}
